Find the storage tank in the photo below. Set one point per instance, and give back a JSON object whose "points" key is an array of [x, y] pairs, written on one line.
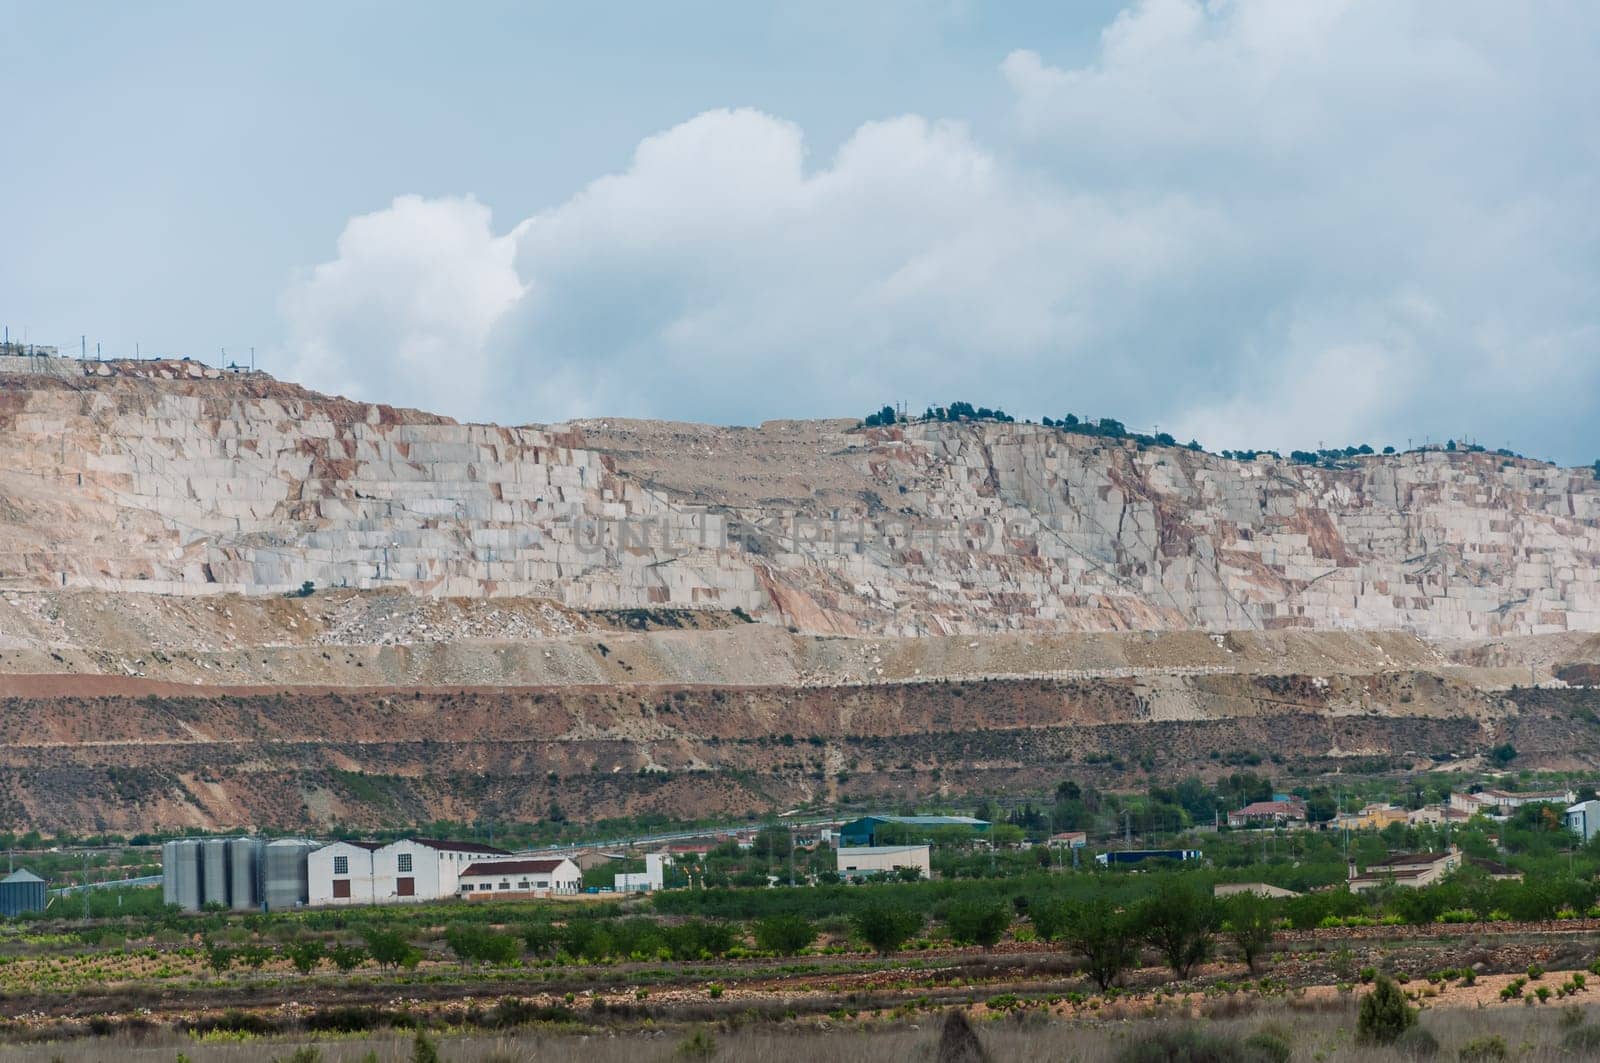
{"points": [[287, 881], [214, 872], [21, 891], [244, 855], [180, 873]]}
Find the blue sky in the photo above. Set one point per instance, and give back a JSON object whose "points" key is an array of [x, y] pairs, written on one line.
{"points": [[1256, 223]]}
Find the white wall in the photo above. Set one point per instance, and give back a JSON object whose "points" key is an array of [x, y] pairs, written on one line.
{"points": [[565, 878], [320, 876]]}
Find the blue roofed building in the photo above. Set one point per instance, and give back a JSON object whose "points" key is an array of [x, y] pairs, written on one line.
{"points": [[867, 829]]}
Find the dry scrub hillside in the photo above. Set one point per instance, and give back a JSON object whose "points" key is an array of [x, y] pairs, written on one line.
{"points": [[87, 755]]}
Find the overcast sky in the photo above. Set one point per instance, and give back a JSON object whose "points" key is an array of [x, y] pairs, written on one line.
{"points": [[1259, 224]]}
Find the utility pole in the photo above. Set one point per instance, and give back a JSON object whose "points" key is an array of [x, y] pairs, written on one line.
{"points": [[86, 885], [83, 347]]}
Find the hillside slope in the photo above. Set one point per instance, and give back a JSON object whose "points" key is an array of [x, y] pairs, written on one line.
{"points": [[175, 479]]}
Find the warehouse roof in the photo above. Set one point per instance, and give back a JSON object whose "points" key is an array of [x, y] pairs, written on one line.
{"points": [[512, 867]]}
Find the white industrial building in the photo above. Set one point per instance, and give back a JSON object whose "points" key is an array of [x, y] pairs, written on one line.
{"points": [[411, 869], [520, 878], [1583, 819], [652, 878], [863, 861]]}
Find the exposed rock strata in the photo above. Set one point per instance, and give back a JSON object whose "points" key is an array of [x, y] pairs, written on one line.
{"points": [[176, 479]]}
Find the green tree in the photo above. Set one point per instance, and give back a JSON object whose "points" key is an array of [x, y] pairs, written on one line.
{"points": [[305, 955], [390, 949], [219, 958], [772, 843], [1049, 917], [347, 957], [1105, 938], [1179, 920], [476, 944], [1384, 1014], [885, 927], [978, 922], [540, 937], [784, 934], [1249, 925]]}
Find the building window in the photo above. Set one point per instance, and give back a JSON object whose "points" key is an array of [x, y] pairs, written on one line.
{"points": [[522, 885], [543, 884], [505, 885], [341, 865], [404, 864]]}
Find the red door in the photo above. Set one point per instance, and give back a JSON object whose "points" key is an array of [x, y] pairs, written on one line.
{"points": [[405, 887]]}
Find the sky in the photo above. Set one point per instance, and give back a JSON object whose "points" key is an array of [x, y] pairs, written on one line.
{"points": [[1247, 222]]}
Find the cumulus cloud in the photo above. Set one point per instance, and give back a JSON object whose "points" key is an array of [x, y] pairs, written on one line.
{"points": [[1257, 223]]}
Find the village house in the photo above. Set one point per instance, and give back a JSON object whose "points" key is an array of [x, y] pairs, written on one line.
{"points": [[1498, 804], [1437, 816], [1372, 817], [1274, 813], [1260, 889], [501, 879], [1405, 869], [1583, 819]]}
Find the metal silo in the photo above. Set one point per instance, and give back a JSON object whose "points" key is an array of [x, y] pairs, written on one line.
{"points": [[21, 891], [180, 874], [214, 872], [287, 880], [244, 856]]}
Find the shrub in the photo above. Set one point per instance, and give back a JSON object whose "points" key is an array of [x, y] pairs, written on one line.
{"points": [[1543, 993], [347, 957], [784, 934], [1269, 1046], [1368, 974], [390, 949], [1195, 1044], [347, 1018], [978, 922], [885, 928], [1535, 972], [423, 1050], [1049, 918], [698, 1045], [1384, 1014], [305, 955], [475, 944], [1484, 1049], [1582, 1039], [1417, 1043]]}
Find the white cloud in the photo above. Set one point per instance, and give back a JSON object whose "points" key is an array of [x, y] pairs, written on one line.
{"points": [[407, 306], [1266, 224]]}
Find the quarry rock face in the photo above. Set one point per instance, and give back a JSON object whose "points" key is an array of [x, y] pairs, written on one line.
{"points": [[178, 479]]}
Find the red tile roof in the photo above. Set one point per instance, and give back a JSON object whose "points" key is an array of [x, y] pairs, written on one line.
{"points": [[511, 867], [461, 847]]}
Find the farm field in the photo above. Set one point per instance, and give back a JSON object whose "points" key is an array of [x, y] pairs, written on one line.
{"points": [[222, 986]]}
